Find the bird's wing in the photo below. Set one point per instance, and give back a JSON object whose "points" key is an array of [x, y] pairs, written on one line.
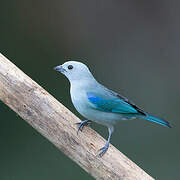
{"points": [[139, 110], [117, 104]]}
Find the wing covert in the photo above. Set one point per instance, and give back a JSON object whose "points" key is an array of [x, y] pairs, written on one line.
{"points": [[116, 105]]}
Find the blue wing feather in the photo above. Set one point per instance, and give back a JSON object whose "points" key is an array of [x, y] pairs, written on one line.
{"points": [[121, 105], [116, 105]]}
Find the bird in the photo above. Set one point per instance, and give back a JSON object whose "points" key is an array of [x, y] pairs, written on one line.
{"points": [[99, 104]]}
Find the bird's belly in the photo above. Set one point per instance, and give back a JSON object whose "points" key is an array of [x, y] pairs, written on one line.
{"points": [[105, 118], [101, 117], [83, 106]]}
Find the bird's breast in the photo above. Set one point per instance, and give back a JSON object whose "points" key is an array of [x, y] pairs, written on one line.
{"points": [[79, 100]]}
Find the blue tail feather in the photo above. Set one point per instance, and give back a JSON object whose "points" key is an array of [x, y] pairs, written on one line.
{"points": [[157, 120]]}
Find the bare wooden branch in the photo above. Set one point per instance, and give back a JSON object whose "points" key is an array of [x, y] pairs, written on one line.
{"points": [[54, 121]]}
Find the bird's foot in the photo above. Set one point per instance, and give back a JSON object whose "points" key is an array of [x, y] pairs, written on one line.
{"points": [[103, 150], [82, 124]]}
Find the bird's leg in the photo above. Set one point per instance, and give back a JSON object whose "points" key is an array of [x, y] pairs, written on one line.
{"points": [[105, 148], [82, 124]]}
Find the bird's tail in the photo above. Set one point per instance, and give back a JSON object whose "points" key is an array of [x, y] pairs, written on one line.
{"points": [[157, 120]]}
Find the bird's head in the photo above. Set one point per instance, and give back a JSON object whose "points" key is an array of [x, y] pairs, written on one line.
{"points": [[74, 70]]}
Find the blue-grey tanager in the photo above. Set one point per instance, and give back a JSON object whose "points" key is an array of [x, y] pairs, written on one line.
{"points": [[97, 103]]}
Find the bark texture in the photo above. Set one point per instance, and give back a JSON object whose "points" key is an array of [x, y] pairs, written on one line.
{"points": [[54, 121]]}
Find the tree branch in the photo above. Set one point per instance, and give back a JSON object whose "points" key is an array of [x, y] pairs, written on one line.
{"points": [[54, 121]]}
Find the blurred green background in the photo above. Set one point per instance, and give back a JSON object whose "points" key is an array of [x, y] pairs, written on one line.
{"points": [[130, 46]]}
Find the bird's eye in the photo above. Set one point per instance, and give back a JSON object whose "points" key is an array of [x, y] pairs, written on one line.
{"points": [[70, 67]]}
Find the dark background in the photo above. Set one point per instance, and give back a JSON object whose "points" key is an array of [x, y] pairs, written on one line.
{"points": [[131, 46]]}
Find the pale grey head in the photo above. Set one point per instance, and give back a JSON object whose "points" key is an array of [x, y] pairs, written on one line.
{"points": [[74, 70]]}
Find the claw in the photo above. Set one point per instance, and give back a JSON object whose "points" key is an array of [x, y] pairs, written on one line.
{"points": [[103, 150], [82, 124]]}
